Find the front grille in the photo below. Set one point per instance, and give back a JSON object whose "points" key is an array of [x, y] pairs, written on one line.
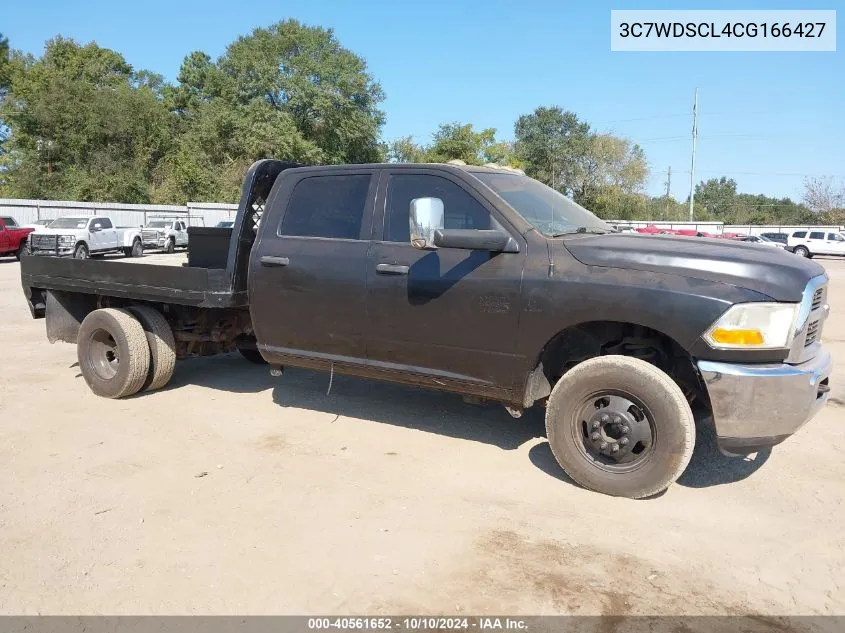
{"points": [[812, 333], [44, 242], [818, 296]]}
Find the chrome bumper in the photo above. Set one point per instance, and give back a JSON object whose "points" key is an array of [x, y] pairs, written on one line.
{"points": [[755, 406]]}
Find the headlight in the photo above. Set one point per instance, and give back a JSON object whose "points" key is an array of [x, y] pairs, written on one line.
{"points": [[754, 326], [67, 240]]}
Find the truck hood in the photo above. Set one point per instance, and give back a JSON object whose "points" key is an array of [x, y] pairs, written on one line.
{"points": [[46, 231], [769, 271]]}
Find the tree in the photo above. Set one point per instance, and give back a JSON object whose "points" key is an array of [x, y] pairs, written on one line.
{"points": [[552, 142], [717, 196], [83, 125], [823, 194], [405, 150], [457, 141], [609, 162]]}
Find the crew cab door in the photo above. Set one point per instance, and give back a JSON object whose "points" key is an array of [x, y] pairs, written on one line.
{"points": [[447, 314], [835, 244], [181, 232], [307, 273], [817, 243], [101, 235]]}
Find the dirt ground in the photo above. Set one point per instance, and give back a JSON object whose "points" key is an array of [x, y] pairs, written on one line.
{"points": [[233, 492]]}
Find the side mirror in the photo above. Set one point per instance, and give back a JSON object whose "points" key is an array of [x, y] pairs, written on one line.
{"points": [[426, 217], [96, 228]]}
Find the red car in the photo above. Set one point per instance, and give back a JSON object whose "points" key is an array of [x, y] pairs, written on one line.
{"points": [[12, 237]]}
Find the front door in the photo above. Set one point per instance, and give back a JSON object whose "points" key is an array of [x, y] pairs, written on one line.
{"points": [[307, 285], [447, 314], [835, 244]]}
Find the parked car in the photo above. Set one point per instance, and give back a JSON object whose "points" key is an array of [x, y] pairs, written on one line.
{"points": [[225, 224], [776, 237], [37, 224], [809, 243], [81, 237], [166, 234], [759, 239], [476, 281], [13, 238]]}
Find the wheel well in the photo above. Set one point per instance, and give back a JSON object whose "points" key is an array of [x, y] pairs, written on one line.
{"points": [[599, 338]]}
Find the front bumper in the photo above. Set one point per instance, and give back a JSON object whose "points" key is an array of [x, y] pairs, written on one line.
{"points": [[757, 406]]}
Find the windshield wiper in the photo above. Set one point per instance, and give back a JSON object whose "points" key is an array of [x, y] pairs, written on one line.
{"points": [[582, 229]]}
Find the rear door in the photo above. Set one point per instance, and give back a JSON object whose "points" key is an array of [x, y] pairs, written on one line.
{"points": [[307, 276], [447, 314], [5, 244], [817, 243]]}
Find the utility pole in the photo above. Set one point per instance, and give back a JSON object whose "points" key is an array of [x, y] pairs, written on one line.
{"points": [[668, 188], [692, 167]]}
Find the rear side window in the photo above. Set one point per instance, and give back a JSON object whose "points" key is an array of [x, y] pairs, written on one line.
{"points": [[817, 235], [327, 206], [9, 221], [801, 234]]}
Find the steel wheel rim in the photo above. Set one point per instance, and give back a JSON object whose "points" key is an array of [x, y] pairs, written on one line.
{"points": [[596, 436], [103, 354]]}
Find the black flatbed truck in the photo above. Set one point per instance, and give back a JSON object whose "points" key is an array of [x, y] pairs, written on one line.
{"points": [[478, 281]]}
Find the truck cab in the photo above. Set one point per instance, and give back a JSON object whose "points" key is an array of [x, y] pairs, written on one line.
{"points": [[478, 281]]}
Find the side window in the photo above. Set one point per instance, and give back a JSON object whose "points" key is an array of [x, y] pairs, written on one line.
{"points": [[327, 206], [817, 235], [832, 237], [181, 226], [800, 234], [461, 210], [104, 223]]}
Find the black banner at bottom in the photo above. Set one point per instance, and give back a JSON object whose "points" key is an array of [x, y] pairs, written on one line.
{"points": [[310, 624]]}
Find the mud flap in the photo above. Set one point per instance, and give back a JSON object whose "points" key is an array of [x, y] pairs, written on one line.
{"points": [[65, 312], [537, 386]]}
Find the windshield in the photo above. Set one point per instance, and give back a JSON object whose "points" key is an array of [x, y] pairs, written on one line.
{"points": [[549, 211], [69, 223], [157, 224]]}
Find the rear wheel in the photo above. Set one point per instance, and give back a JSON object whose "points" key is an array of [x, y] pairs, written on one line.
{"points": [[81, 252], [162, 346], [113, 354], [620, 426], [136, 250], [801, 251]]}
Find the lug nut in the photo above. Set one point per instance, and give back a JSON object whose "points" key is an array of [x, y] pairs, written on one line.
{"points": [[603, 445], [596, 424], [595, 436], [617, 419], [605, 419], [626, 430], [614, 448], [624, 441]]}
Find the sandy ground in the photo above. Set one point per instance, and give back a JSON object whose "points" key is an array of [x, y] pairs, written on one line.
{"points": [[234, 492]]}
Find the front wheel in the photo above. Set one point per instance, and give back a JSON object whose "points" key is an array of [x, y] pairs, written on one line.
{"points": [[170, 245], [81, 252], [801, 251], [620, 426]]}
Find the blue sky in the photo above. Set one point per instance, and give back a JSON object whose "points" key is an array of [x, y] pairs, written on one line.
{"points": [[766, 119]]}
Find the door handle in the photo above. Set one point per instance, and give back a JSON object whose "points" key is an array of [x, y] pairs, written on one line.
{"points": [[391, 269], [272, 260]]}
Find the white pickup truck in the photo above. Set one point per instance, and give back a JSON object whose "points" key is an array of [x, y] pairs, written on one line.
{"points": [[166, 234], [81, 237]]}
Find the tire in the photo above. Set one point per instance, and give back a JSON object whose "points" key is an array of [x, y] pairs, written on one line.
{"points": [[170, 245], [660, 422], [136, 250], [113, 354], [162, 346], [801, 251], [21, 250], [252, 355], [81, 252]]}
